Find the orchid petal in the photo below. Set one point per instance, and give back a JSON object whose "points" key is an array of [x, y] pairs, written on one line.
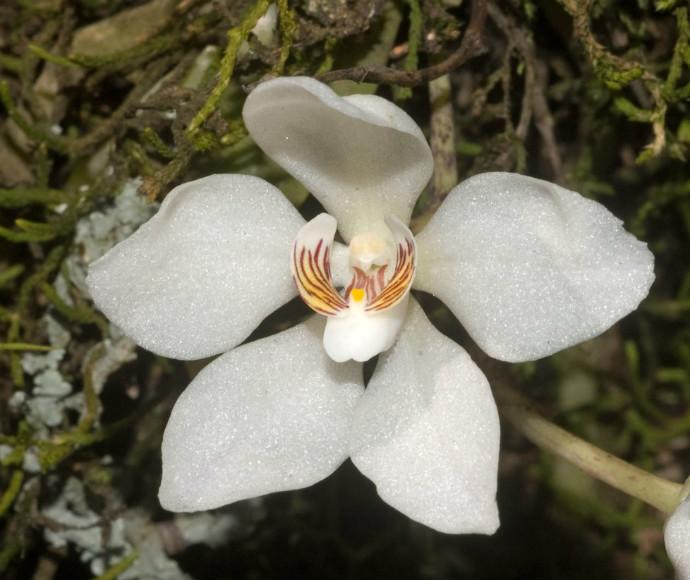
{"points": [[677, 539], [528, 267], [361, 156], [200, 275], [426, 432], [311, 266], [271, 415], [398, 287]]}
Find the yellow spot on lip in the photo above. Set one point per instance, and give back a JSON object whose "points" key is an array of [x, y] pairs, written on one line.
{"points": [[357, 294]]}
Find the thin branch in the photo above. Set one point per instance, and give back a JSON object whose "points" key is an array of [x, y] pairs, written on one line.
{"points": [[535, 107], [472, 45]]}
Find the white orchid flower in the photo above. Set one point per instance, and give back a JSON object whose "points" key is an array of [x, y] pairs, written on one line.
{"points": [[677, 538], [528, 267]]}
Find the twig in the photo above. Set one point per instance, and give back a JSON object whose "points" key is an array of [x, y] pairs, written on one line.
{"points": [[543, 119], [472, 45], [534, 102]]}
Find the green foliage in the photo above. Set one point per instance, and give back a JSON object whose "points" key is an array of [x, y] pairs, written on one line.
{"points": [[151, 137], [227, 66], [25, 196]]}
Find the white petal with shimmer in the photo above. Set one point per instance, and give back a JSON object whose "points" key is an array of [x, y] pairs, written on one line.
{"points": [[271, 415], [360, 335], [361, 156], [528, 267], [677, 540], [198, 277], [426, 432]]}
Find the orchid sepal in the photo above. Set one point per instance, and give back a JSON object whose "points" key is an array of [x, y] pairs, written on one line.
{"points": [[198, 278]]}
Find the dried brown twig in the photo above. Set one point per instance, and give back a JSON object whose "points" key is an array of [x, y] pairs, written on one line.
{"points": [[472, 45], [535, 107]]}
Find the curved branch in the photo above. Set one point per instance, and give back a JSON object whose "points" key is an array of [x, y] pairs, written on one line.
{"points": [[472, 45]]}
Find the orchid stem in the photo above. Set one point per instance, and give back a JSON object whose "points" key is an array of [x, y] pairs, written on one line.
{"points": [[656, 491], [442, 139]]}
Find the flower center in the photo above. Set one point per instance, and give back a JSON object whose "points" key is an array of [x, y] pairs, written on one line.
{"points": [[366, 319], [367, 250]]}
